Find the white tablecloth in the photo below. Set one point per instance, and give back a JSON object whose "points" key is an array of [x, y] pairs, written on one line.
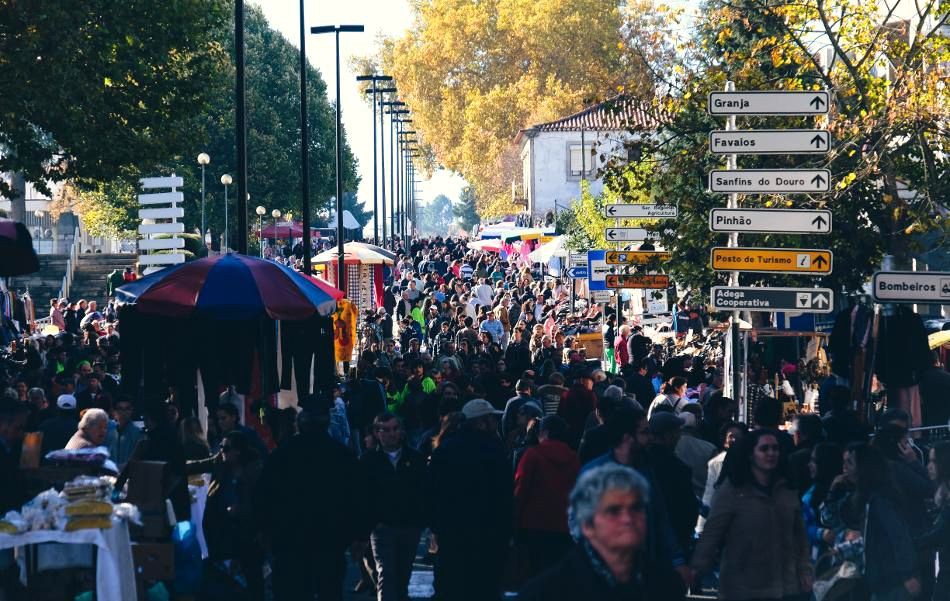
{"points": [[115, 573]]}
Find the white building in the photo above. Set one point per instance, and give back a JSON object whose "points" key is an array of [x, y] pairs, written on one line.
{"points": [[557, 155]]}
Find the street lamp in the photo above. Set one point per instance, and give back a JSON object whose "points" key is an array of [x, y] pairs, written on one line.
{"points": [[289, 218], [261, 211], [396, 121], [336, 29], [203, 160], [374, 91], [226, 180]]}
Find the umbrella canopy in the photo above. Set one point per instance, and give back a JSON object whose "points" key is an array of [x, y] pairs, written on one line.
{"points": [[938, 339], [17, 256], [357, 253], [325, 286], [228, 287], [554, 248], [524, 233], [287, 230], [491, 245]]}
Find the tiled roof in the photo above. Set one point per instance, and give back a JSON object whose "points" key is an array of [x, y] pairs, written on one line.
{"points": [[617, 113]]}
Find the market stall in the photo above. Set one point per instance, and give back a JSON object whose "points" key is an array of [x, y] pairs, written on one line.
{"points": [[364, 271]]}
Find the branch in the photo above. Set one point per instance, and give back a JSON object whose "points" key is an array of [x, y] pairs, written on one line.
{"points": [[878, 34], [819, 5]]}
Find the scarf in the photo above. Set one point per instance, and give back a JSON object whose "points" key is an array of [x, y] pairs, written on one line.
{"points": [[628, 590]]}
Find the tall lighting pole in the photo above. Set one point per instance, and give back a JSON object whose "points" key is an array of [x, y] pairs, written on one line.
{"points": [[240, 123], [260, 227], [304, 145], [393, 104], [226, 180], [203, 159], [397, 121], [374, 91], [405, 143], [336, 30]]}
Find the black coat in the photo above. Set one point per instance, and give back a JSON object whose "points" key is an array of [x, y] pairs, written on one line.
{"points": [[469, 486], [675, 481], [312, 492], [13, 490], [396, 493], [574, 579]]}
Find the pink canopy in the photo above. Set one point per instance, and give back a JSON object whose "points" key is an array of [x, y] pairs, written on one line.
{"points": [[285, 230]]}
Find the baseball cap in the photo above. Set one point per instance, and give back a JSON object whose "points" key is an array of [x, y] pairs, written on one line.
{"points": [[479, 408], [66, 401], [665, 421]]}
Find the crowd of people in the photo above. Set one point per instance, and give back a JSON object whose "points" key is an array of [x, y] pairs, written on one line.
{"points": [[474, 422]]}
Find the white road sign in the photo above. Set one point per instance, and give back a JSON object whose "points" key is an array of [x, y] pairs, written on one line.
{"points": [[625, 234], [768, 102], [637, 211], [767, 221], [766, 181], [173, 181], [923, 287], [770, 141], [813, 300]]}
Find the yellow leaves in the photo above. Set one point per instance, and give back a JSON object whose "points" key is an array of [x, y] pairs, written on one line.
{"points": [[724, 35], [846, 180], [107, 82]]}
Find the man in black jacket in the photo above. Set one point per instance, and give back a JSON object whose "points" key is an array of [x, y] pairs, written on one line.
{"points": [[310, 501], [396, 475], [673, 477], [469, 488]]}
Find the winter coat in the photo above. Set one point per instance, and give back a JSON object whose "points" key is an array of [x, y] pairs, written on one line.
{"points": [[543, 482], [396, 492], [889, 555], [764, 548]]}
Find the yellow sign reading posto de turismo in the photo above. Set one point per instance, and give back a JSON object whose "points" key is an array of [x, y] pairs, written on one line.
{"points": [[805, 261]]}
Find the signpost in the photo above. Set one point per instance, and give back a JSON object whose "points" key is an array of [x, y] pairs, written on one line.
{"points": [[636, 280], [625, 234], [767, 181], [768, 102], [919, 287], [736, 298], [767, 221], [169, 222], [578, 273], [597, 270], [635, 257], [804, 261], [645, 211], [770, 141]]}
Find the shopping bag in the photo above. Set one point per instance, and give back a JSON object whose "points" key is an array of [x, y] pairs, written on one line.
{"points": [[836, 581]]}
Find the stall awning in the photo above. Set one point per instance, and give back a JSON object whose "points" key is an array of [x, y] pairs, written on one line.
{"points": [[545, 252]]}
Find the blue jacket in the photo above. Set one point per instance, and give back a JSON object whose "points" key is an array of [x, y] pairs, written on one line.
{"points": [[890, 558]]}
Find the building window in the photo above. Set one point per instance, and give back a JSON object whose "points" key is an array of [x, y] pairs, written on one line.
{"points": [[580, 159]]}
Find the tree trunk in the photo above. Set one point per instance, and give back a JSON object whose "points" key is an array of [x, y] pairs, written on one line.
{"points": [[18, 202]]}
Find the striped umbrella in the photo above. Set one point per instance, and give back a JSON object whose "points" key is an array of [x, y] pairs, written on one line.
{"points": [[17, 256], [228, 287]]}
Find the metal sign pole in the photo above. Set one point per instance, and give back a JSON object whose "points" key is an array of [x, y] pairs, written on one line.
{"points": [[733, 389]]}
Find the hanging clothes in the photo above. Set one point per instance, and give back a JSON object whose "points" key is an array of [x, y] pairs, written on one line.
{"points": [[903, 354]]}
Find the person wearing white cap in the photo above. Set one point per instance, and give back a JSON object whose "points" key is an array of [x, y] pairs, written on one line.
{"points": [[58, 429], [470, 490]]}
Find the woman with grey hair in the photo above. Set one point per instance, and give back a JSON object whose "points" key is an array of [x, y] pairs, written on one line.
{"points": [[607, 515], [93, 427]]}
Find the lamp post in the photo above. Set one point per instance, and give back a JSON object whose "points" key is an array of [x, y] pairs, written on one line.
{"points": [[240, 125], [261, 211], [226, 180], [336, 29], [395, 121], [374, 91], [393, 106], [289, 218], [404, 146], [276, 215], [203, 160]]}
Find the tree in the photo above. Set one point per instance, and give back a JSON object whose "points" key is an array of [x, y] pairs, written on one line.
{"points": [[273, 119], [93, 88], [437, 218], [465, 211], [474, 73], [890, 160]]}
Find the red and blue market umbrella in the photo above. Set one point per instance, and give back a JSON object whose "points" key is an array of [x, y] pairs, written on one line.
{"points": [[17, 256], [227, 287]]}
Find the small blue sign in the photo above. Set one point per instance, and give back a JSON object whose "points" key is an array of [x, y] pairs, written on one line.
{"points": [[578, 273], [597, 269]]}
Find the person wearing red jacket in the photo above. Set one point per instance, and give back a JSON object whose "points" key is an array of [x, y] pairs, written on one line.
{"points": [[621, 353], [543, 482]]}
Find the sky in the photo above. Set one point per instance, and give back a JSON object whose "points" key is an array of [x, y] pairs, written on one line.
{"points": [[387, 17]]}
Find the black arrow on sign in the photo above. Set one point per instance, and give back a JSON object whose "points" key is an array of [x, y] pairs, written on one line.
{"points": [[817, 102], [819, 222], [818, 140], [818, 180], [612, 234], [820, 262], [611, 210]]}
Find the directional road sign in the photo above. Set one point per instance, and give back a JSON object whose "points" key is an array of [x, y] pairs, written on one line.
{"points": [[813, 300], [772, 260], [922, 287], [625, 234], [770, 141], [631, 280], [578, 273], [768, 102], [635, 257], [766, 221], [650, 211], [765, 181], [597, 270]]}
